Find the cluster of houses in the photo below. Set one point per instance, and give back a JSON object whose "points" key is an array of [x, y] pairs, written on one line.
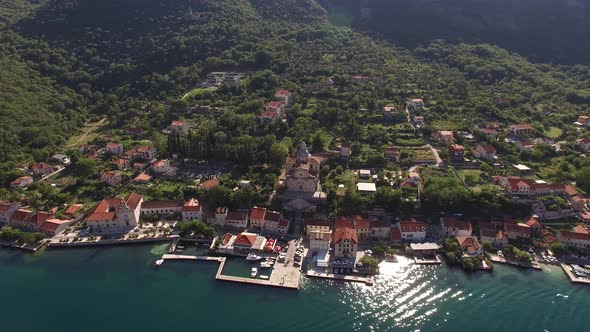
{"points": [[276, 108], [138, 158], [38, 170], [345, 234], [16, 216], [528, 190], [121, 213]]}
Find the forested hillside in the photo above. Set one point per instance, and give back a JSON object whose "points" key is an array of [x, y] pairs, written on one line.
{"points": [[68, 61], [541, 30]]}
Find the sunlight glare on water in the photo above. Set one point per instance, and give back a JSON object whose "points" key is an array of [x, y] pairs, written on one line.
{"points": [[405, 295]]}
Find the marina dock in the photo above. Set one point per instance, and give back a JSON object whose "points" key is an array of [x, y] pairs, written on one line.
{"points": [[572, 277], [282, 276]]}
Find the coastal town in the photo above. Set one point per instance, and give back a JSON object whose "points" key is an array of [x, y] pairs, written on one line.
{"points": [[293, 233]]}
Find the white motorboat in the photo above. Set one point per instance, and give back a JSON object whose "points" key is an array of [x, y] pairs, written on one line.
{"points": [[262, 276], [159, 262], [253, 257], [254, 272], [265, 264]]}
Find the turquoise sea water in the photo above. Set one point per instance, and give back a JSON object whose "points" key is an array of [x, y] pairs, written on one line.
{"points": [[118, 289]]}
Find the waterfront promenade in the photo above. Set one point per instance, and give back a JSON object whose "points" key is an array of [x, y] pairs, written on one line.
{"points": [[497, 259]]}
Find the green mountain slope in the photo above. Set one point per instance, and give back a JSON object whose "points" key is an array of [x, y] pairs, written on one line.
{"points": [[541, 30], [113, 57]]}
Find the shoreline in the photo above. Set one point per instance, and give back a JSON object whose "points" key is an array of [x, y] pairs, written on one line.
{"points": [[113, 242]]}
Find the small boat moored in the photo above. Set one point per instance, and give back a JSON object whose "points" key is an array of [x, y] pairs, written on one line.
{"points": [[253, 257], [159, 262], [265, 277], [254, 272]]}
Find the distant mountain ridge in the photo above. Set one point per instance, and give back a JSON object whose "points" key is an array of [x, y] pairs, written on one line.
{"points": [[553, 31]]}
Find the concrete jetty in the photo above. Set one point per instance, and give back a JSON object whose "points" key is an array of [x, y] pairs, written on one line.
{"points": [[277, 279], [572, 277], [282, 276], [192, 258], [366, 280]]}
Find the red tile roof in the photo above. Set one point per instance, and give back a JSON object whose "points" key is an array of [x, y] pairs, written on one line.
{"points": [[282, 93], [21, 215], [143, 177], [4, 207], [133, 200], [574, 235], [72, 209], [458, 224], [257, 213], [268, 114], [274, 104], [345, 233], [580, 229], [245, 240], [412, 225], [362, 224], [571, 191], [317, 222], [520, 229], [468, 243], [20, 180], [344, 222], [211, 183], [191, 205], [533, 222], [272, 216], [50, 225], [241, 216], [488, 148]]}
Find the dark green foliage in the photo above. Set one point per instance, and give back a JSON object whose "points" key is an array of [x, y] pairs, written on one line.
{"points": [[197, 227]]}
